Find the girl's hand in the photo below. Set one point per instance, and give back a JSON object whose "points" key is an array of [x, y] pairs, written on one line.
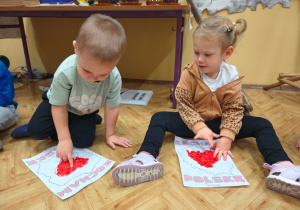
{"points": [[114, 140], [64, 151], [222, 147], [207, 134]]}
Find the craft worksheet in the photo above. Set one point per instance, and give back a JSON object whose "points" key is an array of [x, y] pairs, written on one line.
{"points": [[63, 180], [200, 169], [136, 97]]}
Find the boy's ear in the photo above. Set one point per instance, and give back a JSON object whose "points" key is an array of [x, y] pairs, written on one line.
{"points": [[228, 52], [74, 45]]}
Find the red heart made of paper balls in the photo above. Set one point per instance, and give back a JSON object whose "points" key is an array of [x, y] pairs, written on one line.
{"points": [[64, 168], [205, 158]]}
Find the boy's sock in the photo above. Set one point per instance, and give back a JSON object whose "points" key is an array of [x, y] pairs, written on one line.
{"points": [[98, 119], [20, 132]]}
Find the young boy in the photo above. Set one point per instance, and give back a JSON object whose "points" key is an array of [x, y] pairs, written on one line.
{"points": [[82, 84]]}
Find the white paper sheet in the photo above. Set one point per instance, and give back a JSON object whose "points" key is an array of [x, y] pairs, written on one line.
{"points": [[136, 97], [222, 174], [44, 167]]}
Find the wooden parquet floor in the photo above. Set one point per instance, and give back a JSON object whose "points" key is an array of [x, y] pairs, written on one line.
{"points": [[21, 189]]}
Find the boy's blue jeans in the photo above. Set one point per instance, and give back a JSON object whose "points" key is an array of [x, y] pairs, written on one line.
{"points": [[82, 128], [259, 128]]}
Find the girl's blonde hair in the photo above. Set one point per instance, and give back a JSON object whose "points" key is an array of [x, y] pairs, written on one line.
{"points": [[217, 27], [102, 37]]}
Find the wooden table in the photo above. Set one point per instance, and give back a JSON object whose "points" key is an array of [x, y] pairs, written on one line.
{"points": [[149, 11]]}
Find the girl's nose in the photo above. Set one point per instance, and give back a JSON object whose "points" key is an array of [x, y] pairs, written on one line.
{"points": [[200, 59]]}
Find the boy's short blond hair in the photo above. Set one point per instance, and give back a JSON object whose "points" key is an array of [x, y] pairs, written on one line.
{"points": [[101, 37]]}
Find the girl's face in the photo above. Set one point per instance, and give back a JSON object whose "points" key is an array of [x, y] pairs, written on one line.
{"points": [[208, 55]]}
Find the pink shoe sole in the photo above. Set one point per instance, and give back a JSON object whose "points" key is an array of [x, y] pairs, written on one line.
{"points": [[282, 185], [283, 179], [128, 175]]}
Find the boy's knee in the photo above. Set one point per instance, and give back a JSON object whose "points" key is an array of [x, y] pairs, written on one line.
{"points": [[82, 144]]}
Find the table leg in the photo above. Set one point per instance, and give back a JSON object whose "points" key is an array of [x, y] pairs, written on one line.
{"points": [[23, 35], [178, 54]]}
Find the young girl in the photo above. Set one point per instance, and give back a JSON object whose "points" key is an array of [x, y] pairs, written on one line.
{"points": [[209, 106]]}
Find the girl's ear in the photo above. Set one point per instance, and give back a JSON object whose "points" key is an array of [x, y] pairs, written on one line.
{"points": [[74, 45], [228, 52]]}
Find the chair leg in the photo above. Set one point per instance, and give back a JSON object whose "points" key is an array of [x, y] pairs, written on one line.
{"points": [[276, 84], [246, 113], [285, 79], [290, 81], [246, 102]]}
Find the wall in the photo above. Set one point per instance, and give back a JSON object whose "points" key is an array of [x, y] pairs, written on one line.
{"points": [[271, 44]]}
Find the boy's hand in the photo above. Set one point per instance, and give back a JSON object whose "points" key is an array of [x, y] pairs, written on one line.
{"points": [[222, 147], [298, 144], [64, 151], [114, 140], [207, 134]]}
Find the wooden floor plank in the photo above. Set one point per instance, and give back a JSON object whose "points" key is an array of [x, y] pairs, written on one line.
{"points": [[37, 205], [25, 198], [7, 172], [245, 195], [264, 202], [13, 192], [188, 194], [80, 201], [140, 196], [154, 203], [22, 151], [174, 201], [54, 202], [97, 196]]}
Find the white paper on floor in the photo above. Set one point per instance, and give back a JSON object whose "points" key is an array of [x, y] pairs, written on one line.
{"points": [[45, 166], [222, 174]]}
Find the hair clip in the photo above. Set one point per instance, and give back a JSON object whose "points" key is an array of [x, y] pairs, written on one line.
{"points": [[234, 23], [228, 29]]}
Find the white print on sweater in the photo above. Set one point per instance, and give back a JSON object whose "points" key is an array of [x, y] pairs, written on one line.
{"points": [[86, 104]]}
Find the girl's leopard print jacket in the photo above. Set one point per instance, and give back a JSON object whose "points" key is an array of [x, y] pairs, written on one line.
{"points": [[197, 103]]}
